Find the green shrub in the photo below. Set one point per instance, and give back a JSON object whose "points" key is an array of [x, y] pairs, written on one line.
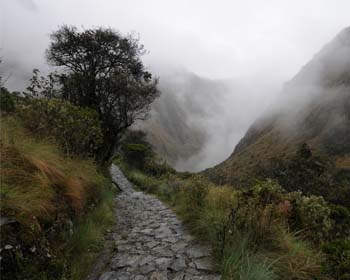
{"points": [[268, 191], [76, 130], [195, 191], [7, 101], [156, 167], [340, 216], [135, 154], [314, 214], [144, 182], [338, 258]]}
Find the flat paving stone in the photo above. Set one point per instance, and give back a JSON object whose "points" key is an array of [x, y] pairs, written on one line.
{"points": [[150, 242]]}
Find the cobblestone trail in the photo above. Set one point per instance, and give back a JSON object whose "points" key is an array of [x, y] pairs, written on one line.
{"points": [[151, 243]]}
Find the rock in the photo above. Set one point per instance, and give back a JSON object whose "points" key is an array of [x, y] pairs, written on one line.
{"points": [[179, 276], [203, 264], [147, 231], [139, 277], [109, 275], [163, 263], [178, 246], [147, 269], [197, 252], [151, 244], [159, 275], [171, 239], [8, 247], [163, 252], [178, 264], [145, 260], [125, 261]]}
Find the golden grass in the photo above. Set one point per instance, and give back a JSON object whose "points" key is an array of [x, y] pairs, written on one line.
{"points": [[295, 259], [37, 179], [43, 189]]}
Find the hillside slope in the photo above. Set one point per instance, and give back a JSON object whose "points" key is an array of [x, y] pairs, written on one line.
{"points": [[55, 209], [197, 121], [313, 108]]}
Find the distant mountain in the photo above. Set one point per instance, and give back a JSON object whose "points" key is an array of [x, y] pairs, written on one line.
{"points": [[313, 108], [197, 121], [175, 127]]}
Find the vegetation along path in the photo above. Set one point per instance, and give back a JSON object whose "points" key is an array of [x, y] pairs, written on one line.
{"points": [[151, 243]]}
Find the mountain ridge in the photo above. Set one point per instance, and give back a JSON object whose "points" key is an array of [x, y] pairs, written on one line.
{"points": [[313, 107]]}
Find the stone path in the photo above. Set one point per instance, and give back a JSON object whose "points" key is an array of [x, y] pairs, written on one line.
{"points": [[151, 243]]}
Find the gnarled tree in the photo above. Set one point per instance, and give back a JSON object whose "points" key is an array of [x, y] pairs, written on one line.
{"points": [[102, 69]]}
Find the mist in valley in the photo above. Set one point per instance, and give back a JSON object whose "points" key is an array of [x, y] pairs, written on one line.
{"points": [[220, 65]]}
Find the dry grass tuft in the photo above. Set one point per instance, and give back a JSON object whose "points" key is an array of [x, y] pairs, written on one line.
{"points": [[75, 193]]}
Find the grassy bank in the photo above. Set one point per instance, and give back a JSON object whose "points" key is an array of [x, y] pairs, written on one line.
{"points": [[57, 207]]}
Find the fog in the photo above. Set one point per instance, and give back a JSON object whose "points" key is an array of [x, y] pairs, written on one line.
{"points": [[251, 47]]}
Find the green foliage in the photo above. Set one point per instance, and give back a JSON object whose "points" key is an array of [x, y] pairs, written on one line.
{"points": [[157, 167], [76, 130], [41, 86], [314, 214], [340, 216], [7, 101], [248, 230], [338, 260], [144, 182], [240, 263], [311, 174], [135, 149], [87, 239], [135, 154], [195, 191], [138, 153]]}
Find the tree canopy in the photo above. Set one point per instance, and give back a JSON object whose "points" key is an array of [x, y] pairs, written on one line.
{"points": [[102, 69]]}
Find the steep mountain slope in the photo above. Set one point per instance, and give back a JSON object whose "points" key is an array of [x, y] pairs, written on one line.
{"points": [[197, 121], [314, 108], [172, 127]]}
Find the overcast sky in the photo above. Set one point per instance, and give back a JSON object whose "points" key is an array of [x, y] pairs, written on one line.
{"points": [[215, 39], [256, 44]]}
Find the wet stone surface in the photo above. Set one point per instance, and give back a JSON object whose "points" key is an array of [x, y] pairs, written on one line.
{"points": [[151, 243]]}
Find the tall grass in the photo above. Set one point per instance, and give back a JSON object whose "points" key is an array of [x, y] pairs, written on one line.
{"points": [[239, 262], [87, 239], [62, 207]]}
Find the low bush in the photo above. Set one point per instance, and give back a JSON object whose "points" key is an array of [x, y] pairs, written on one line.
{"points": [[194, 193], [314, 214], [340, 217], [7, 100], [46, 198], [135, 154], [338, 258], [156, 167], [76, 130], [144, 182], [294, 258]]}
